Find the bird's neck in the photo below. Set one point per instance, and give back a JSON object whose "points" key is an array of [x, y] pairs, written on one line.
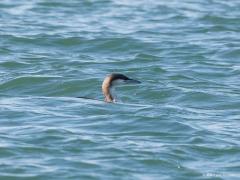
{"points": [[109, 98], [106, 89]]}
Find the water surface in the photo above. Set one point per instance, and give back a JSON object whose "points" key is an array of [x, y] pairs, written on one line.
{"points": [[182, 122]]}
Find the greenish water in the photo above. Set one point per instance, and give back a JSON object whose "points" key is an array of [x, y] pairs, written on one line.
{"points": [[182, 122]]}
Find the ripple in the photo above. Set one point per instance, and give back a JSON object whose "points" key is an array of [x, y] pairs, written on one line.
{"points": [[14, 64], [182, 122]]}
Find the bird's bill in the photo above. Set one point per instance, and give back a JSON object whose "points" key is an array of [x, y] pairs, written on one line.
{"points": [[132, 81]]}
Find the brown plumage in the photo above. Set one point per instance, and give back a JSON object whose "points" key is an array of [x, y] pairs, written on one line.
{"points": [[109, 81]]}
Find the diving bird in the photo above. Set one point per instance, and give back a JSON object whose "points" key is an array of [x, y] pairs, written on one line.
{"points": [[115, 79]]}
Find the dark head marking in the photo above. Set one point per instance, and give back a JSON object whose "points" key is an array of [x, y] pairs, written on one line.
{"points": [[108, 82]]}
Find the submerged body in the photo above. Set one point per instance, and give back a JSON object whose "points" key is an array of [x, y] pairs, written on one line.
{"points": [[112, 80]]}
